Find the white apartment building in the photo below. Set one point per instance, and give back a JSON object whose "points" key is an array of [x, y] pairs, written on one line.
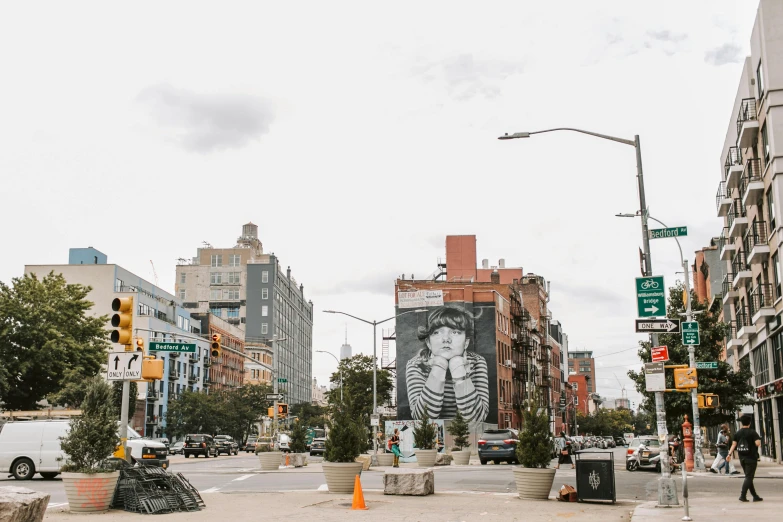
{"points": [[749, 199]]}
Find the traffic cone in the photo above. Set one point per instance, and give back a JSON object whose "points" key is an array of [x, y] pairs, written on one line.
{"points": [[358, 496], [286, 460]]}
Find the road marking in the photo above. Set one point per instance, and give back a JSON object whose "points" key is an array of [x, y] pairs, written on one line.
{"points": [[210, 490], [243, 477], [56, 505], [323, 487]]}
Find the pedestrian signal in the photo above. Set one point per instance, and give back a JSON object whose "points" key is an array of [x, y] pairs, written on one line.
{"points": [[282, 410], [708, 400]]}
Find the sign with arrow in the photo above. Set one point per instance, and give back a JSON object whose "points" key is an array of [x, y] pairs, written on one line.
{"points": [[650, 297], [690, 333], [124, 366], [274, 397], [658, 326]]}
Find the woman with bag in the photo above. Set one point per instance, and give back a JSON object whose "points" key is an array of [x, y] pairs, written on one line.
{"points": [[563, 451], [394, 445]]}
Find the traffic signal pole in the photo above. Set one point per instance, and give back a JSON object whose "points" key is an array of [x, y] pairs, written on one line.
{"points": [[698, 456], [124, 419]]}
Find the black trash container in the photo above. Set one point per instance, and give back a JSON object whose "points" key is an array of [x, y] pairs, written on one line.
{"points": [[595, 476]]}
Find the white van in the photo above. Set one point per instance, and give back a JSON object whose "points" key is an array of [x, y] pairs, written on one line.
{"points": [[30, 447]]}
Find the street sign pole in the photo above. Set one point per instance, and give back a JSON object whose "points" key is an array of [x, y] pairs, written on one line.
{"points": [[124, 419], [697, 454]]}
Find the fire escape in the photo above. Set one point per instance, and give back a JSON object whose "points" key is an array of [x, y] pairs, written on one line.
{"points": [[521, 349]]}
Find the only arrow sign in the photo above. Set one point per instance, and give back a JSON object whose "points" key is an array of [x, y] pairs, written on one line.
{"points": [[116, 361], [132, 359]]}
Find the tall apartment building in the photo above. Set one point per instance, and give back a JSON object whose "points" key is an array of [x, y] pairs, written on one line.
{"points": [[749, 199], [157, 315], [581, 362], [247, 288]]}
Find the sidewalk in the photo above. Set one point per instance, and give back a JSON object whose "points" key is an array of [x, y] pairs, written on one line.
{"points": [[713, 508], [322, 506]]}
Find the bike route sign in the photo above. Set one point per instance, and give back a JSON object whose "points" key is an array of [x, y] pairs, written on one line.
{"points": [[650, 296]]}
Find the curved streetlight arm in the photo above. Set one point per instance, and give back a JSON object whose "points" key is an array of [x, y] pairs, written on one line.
{"points": [[682, 259], [339, 368], [632, 143], [349, 315]]}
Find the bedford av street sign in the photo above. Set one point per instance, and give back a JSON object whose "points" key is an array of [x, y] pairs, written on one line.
{"points": [[158, 346], [650, 297], [658, 326], [657, 233]]}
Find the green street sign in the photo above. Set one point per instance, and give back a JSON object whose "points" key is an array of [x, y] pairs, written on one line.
{"points": [[158, 346], [690, 333], [650, 297], [707, 365], [282, 379], [657, 233]]}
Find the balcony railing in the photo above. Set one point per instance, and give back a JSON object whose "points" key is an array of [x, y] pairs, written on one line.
{"points": [[173, 374], [751, 173], [740, 263], [733, 159], [152, 395], [731, 333], [756, 235], [747, 112], [742, 317], [722, 200], [760, 297], [193, 357], [737, 210], [193, 379], [728, 283], [207, 363]]}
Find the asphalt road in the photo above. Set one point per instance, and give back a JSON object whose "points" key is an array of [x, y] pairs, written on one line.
{"points": [[242, 473]]}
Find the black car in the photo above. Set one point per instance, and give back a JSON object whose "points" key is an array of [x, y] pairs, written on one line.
{"points": [[225, 444], [498, 445], [200, 444], [250, 445]]}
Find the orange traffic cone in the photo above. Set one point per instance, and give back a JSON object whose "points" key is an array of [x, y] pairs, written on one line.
{"points": [[358, 496], [286, 460]]}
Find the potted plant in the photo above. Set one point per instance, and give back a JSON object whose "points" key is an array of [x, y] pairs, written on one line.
{"points": [[384, 458], [460, 430], [343, 444], [424, 434], [298, 445], [269, 459], [534, 478], [88, 477]]}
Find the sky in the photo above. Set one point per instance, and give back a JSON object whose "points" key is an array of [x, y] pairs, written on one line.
{"points": [[357, 135]]}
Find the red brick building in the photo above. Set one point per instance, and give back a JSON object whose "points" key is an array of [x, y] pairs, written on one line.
{"points": [[580, 394]]}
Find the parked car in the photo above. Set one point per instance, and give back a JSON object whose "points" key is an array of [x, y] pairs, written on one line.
{"points": [[162, 440], [610, 443], [225, 444], [200, 444], [620, 441], [318, 446], [498, 445], [30, 447], [176, 448], [250, 445]]}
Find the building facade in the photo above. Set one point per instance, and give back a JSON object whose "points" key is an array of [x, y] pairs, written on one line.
{"points": [[581, 362], [749, 200], [157, 316]]}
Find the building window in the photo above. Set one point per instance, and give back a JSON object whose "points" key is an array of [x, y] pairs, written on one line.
{"points": [[264, 293], [182, 293], [231, 295], [771, 210], [234, 260], [217, 312], [215, 295], [760, 80], [216, 260], [234, 277], [232, 312], [264, 311], [761, 365], [264, 276], [118, 285], [264, 328], [179, 321], [765, 143], [216, 278], [776, 272], [777, 355], [575, 386]]}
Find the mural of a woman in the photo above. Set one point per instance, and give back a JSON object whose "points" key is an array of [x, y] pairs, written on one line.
{"points": [[445, 375]]}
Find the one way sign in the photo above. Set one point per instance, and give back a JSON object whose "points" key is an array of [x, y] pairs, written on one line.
{"points": [[124, 366], [658, 325]]}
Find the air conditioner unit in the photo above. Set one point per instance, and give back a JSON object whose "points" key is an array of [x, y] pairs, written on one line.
{"points": [[513, 365], [508, 362], [514, 336]]}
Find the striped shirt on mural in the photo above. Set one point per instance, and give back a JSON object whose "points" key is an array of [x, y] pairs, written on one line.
{"points": [[471, 395]]}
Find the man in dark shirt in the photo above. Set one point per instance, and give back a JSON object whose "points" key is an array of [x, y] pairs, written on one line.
{"points": [[747, 443]]}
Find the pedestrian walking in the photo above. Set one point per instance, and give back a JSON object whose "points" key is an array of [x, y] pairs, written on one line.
{"points": [[563, 451], [747, 443], [722, 444], [394, 441]]}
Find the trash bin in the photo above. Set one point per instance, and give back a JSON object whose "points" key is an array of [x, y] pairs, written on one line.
{"points": [[595, 476]]}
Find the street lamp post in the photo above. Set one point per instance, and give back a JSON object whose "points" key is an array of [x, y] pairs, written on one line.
{"points": [[667, 492], [374, 364], [339, 368]]}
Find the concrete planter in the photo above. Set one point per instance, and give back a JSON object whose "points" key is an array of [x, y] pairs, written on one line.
{"points": [[90, 492], [296, 460], [270, 460], [340, 476], [461, 458], [534, 483], [426, 458], [385, 459], [365, 460]]}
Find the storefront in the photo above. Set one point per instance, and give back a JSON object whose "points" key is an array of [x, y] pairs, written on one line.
{"points": [[768, 407]]}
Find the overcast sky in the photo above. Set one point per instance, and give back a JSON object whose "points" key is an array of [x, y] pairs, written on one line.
{"points": [[357, 135]]}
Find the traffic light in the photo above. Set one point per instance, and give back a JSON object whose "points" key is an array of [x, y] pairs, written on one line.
{"points": [[270, 412], [708, 400], [282, 410], [139, 344], [123, 321], [216, 350]]}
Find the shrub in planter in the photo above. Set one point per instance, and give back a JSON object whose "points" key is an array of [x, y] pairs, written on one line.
{"points": [[533, 479], [424, 434], [298, 443], [344, 442], [269, 459], [88, 476], [460, 430]]}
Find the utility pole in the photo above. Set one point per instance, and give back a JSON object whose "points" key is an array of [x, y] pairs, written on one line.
{"points": [[124, 419], [698, 457]]}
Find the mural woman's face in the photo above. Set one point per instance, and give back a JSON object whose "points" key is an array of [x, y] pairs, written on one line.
{"points": [[447, 342]]}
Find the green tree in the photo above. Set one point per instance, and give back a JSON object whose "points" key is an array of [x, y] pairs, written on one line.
{"points": [[240, 408], [606, 422], [357, 386], [733, 388], [72, 391], [298, 443], [45, 331], [424, 433], [311, 415], [193, 412], [460, 430], [534, 449], [346, 436], [116, 396], [93, 435]]}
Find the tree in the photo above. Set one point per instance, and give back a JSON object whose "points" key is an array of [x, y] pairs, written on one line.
{"points": [[460, 430], [72, 392], [534, 449], [193, 412], [45, 331], [116, 396], [733, 388], [606, 422], [357, 385], [93, 436], [344, 441], [298, 443], [424, 433], [311, 415]]}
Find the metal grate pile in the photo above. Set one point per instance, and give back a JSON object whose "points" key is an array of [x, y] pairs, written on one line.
{"points": [[151, 490]]}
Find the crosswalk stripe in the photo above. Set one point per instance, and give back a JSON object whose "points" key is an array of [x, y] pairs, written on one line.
{"points": [[243, 477], [210, 490]]}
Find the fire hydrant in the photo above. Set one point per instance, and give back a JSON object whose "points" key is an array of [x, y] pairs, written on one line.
{"points": [[687, 441]]}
